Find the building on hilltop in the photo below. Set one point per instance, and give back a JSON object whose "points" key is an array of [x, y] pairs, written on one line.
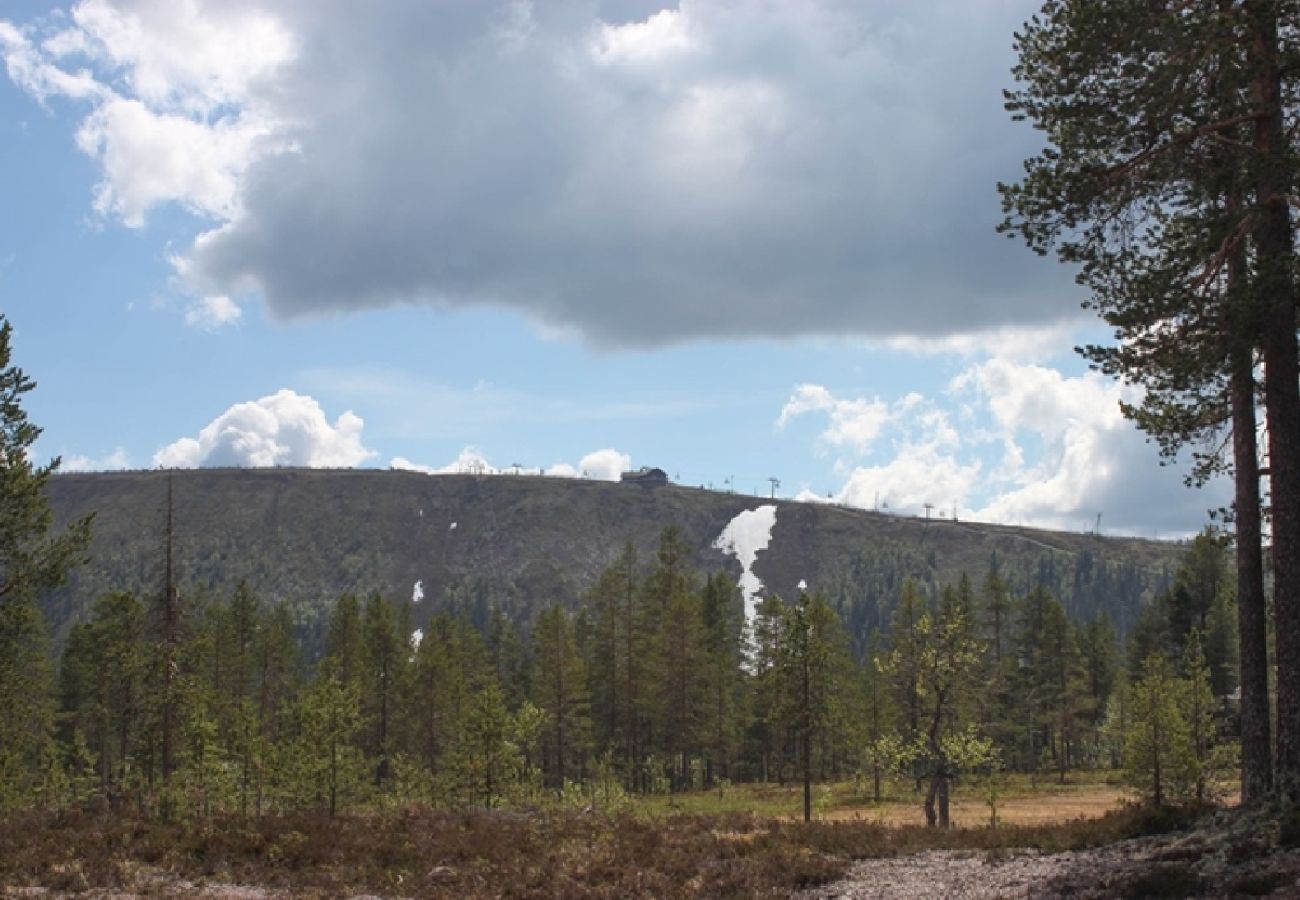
{"points": [[647, 476]]}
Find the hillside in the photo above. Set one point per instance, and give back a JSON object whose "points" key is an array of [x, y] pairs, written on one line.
{"points": [[304, 536]]}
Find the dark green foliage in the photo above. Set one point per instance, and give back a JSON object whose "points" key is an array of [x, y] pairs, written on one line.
{"points": [[560, 686], [27, 747], [32, 560], [813, 684], [1170, 152]]}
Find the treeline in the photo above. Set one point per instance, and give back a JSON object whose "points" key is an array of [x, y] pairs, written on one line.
{"points": [[656, 684]]}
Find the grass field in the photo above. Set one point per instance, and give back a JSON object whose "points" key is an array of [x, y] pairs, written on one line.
{"points": [[1019, 800]]}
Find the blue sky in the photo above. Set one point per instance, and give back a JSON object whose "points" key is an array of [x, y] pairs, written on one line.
{"points": [[731, 239]]}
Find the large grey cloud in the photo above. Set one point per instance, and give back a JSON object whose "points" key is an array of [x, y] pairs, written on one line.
{"points": [[640, 177]]}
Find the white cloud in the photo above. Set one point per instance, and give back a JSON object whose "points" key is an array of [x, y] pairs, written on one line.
{"points": [[1027, 444], [193, 55], [918, 474], [470, 461], [664, 34], [282, 429], [148, 158], [118, 459], [605, 465], [31, 70], [702, 170], [213, 313], [853, 423], [177, 113]]}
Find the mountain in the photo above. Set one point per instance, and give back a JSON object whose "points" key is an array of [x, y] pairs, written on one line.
{"points": [[303, 536]]}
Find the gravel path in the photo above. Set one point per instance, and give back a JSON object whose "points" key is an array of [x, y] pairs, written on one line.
{"points": [[950, 874], [1175, 866]]}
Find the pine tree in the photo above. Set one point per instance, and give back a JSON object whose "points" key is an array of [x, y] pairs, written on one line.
{"points": [[722, 610], [560, 692], [384, 668], [1099, 646], [765, 729], [905, 656], [242, 618], [26, 703], [31, 559], [1206, 759], [344, 644], [1166, 178], [489, 752], [117, 661], [996, 615], [279, 679], [1157, 751], [329, 767], [813, 671]]}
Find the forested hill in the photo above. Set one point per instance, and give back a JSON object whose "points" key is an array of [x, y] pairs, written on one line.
{"points": [[302, 537]]}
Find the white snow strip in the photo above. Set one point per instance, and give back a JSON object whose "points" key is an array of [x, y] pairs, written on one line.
{"points": [[416, 636], [417, 592], [744, 536], [803, 585], [452, 527]]}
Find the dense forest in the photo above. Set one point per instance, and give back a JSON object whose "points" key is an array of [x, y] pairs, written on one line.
{"points": [[194, 705]]}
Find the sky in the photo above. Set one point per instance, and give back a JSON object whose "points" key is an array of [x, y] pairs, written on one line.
{"points": [[740, 240]]}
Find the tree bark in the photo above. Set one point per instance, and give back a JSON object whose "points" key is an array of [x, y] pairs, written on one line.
{"points": [[1276, 299], [1252, 627]]}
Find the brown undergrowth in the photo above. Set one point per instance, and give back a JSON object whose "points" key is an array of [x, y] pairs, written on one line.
{"points": [[480, 853]]}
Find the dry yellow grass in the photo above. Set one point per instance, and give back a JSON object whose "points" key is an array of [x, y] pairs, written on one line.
{"points": [[1050, 807]]}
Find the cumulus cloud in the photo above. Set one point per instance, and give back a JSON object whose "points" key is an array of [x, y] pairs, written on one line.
{"points": [[853, 423], [602, 465], [118, 459], [1052, 450], [213, 313], [605, 465], [468, 462], [176, 91], [632, 174], [282, 429]]}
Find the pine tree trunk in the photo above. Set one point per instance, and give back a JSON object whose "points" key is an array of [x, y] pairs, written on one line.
{"points": [[807, 741], [1256, 740], [1273, 246]]}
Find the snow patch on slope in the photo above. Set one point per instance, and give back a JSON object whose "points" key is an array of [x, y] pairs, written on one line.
{"points": [[417, 592], [744, 536]]}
